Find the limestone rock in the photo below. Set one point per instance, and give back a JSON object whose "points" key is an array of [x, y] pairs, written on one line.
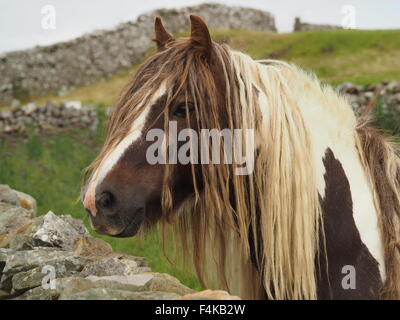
{"points": [[33, 278], [210, 295], [13, 220], [24, 281], [4, 295], [8, 195], [140, 261], [56, 232], [116, 294], [143, 282], [26, 201], [21, 261], [77, 224], [24, 239], [91, 247], [39, 293], [4, 253], [110, 266]]}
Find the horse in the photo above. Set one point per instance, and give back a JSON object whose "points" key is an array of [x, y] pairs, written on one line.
{"points": [[317, 218]]}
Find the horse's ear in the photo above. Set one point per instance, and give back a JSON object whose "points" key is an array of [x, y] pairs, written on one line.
{"points": [[200, 35], [162, 37]]}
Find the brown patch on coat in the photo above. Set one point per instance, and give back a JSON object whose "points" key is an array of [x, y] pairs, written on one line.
{"points": [[342, 242]]}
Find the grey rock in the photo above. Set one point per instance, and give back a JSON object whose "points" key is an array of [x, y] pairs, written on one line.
{"points": [[77, 224], [56, 232], [4, 295], [13, 221], [21, 261], [24, 281], [4, 253], [38, 293], [24, 239], [90, 247], [8, 195], [110, 266], [73, 105], [26, 201], [209, 295], [143, 282], [116, 294], [33, 278], [29, 108]]}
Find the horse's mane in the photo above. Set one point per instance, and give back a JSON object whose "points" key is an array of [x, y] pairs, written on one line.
{"points": [[277, 207]]}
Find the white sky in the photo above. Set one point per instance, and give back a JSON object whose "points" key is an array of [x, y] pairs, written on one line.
{"points": [[20, 20]]}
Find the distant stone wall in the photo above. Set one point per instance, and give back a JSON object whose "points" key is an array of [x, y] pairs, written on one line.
{"points": [[65, 115], [54, 257], [303, 26], [101, 54], [71, 114], [387, 94]]}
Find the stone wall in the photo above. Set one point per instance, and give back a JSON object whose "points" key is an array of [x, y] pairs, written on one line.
{"points": [[54, 257], [303, 26], [103, 53], [72, 114], [387, 94], [65, 115]]}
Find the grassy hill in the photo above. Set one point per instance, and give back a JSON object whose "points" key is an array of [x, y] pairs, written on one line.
{"points": [[49, 166], [336, 56]]}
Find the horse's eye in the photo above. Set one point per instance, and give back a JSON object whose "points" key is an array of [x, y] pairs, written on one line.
{"points": [[180, 110]]}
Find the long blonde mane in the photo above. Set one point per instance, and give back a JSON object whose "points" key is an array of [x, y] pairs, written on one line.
{"points": [[277, 206]]}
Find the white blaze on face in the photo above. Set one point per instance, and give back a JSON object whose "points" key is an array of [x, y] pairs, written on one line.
{"points": [[113, 156]]}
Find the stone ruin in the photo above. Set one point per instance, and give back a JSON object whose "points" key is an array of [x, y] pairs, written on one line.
{"points": [[100, 54], [304, 26]]}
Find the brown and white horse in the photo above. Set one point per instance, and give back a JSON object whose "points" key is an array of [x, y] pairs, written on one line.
{"points": [[318, 218]]}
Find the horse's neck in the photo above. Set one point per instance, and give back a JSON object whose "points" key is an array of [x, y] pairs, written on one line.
{"points": [[332, 125]]}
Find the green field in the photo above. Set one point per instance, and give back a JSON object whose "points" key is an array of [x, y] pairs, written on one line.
{"points": [[335, 56], [49, 166]]}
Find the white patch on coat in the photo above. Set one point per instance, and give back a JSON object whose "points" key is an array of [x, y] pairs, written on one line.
{"points": [[332, 124]]}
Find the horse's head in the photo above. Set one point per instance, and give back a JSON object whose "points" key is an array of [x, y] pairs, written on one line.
{"points": [[182, 82]]}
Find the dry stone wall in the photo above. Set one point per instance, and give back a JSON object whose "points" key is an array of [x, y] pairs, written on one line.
{"points": [[72, 114], [387, 94], [103, 53], [54, 257], [65, 115]]}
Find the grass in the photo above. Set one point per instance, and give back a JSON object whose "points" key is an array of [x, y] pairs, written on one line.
{"points": [[49, 166], [359, 56], [336, 56]]}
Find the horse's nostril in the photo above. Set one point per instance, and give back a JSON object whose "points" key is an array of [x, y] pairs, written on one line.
{"points": [[106, 200]]}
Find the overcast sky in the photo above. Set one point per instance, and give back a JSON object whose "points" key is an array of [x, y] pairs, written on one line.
{"points": [[21, 20]]}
